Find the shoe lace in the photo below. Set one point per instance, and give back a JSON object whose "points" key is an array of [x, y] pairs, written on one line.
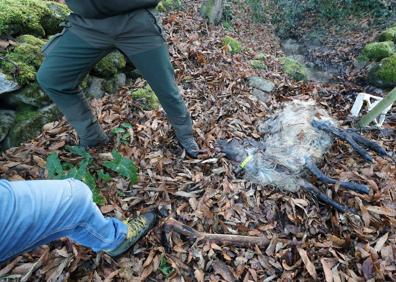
{"points": [[135, 226]]}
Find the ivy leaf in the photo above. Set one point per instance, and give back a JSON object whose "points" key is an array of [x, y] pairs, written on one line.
{"points": [[105, 177], [118, 130], [79, 151], [54, 167], [123, 166]]}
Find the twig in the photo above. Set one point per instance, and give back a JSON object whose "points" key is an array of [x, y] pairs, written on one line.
{"points": [[176, 226]]}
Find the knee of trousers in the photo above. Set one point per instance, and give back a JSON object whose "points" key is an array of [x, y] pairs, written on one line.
{"points": [[81, 195], [52, 85]]}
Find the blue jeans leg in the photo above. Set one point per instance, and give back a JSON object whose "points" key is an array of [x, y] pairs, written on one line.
{"points": [[33, 213]]}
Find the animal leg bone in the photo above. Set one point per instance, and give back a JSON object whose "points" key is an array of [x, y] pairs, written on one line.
{"points": [[354, 139], [360, 188], [324, 198]]}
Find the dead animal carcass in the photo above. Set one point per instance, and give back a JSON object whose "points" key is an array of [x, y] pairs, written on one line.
{"points": [[295, 140]]}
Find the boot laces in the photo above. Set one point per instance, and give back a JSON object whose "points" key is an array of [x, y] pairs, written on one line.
{"points": [[136, 226]]}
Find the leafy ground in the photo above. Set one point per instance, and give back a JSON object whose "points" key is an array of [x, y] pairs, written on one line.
{"points": [[307, 239]]}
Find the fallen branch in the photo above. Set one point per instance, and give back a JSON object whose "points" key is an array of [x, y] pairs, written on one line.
{"points": [[178, 227]]}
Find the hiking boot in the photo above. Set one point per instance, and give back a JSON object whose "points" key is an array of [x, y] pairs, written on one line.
{"points": [[101, 141], [138, 227], [188, 143]]}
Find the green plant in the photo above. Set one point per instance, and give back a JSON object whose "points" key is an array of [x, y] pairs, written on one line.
{"points": [[58, 170], [165, 267], [123, 133], [123, 166]]}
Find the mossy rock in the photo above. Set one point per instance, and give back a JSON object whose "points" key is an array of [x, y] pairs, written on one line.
{"points": [[384, 74], [110, 65], [258, 65], [23, 61], [146, 98], [58, 15], [28, 124], [169, 5], [378, 50], [294, 69], [233, 45], [29, 95], [388, 34], [36, 17]]}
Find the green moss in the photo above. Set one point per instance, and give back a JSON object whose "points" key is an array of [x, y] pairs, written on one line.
{"points": [[29, 122], [110, 65], [34, 17], [260, 57], [23, 61], [379, 50], [388, 34], [169, 5], [384, 74], [232, 44], [294, 69], [259, 65], [146, 97]]}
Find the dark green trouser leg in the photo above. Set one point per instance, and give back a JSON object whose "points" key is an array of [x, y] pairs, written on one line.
{"points": [[68, 59], [157, 69]]}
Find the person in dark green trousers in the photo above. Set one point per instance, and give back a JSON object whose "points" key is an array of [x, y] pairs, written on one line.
{"points": [[96, 28]]}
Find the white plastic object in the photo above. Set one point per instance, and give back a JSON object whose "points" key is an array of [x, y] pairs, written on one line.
{"points": [[371, 101]]}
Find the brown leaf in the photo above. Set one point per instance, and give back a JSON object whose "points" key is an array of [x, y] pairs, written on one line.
{"points": [[222, 269], [308, 264]]}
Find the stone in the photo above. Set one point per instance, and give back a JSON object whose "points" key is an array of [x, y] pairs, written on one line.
{"points": [[96, 87], [28, 124], [121, 80], [261, 84], [383, 74], [261, 95], [29, 95], [7, 118], [378, 50], [212, 10], [7, 85]]}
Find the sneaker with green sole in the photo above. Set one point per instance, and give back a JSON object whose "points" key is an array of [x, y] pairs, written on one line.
{"points": [[138, 227]]}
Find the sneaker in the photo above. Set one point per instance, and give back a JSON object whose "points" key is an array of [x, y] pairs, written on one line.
{"points": [[137, 229], [188, 143]]}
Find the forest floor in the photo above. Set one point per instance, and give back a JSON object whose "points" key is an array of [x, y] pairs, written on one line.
{"points": [[308, 240]]}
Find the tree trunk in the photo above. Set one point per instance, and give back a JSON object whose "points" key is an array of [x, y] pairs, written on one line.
{"points": [[212, 10]]}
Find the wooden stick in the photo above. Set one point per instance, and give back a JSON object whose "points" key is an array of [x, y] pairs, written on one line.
{"points": [[176, 226]]}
